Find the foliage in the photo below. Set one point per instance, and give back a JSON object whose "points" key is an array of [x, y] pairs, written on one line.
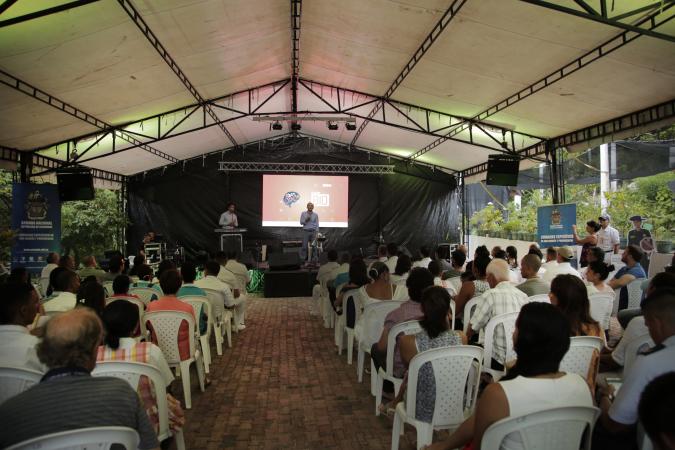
{"points": [[488, 219], [91, 227], [6, 233]]}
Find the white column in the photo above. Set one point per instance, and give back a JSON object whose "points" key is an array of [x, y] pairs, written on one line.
{"points": [[604, 175]]}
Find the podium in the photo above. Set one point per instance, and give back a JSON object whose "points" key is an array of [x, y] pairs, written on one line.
{"points": [[230, 237]]}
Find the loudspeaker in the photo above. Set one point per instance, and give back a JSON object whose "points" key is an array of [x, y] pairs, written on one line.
{"points": [[284, 261], [75, 184], [502, 170]]}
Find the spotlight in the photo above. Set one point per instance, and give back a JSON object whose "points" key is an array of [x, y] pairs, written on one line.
{"points": [[351, 126], [276, 126], [332, 126], [296, 126]]}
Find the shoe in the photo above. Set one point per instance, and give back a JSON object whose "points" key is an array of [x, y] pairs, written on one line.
{"points": [[241, 326]]}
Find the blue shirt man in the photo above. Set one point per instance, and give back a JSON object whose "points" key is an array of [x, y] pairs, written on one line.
{"points": [[630, 272], [310, 225]]}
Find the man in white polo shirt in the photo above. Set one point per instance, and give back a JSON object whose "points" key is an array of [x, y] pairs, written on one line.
{"points": [[608, 237], [565, 255]]}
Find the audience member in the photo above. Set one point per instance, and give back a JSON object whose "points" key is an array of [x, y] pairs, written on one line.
{"points": [[52, 290], [608, 236], [225, 275], [631, 271], [67, 284], [591, 240], [67, 262], [616, 426], [534, 383], [18, 309], [551, 258], [475, 288], [19, 275], [52, 263], [435, 269], [593, 254], [402, 270], [144, 273], [325, 270], [457, 260], [534, 250], [211, 281], [529, 268], [239, 270], [120, 287], [380, 288], [392, 256], [436, 332], [596, 274], [495, 251], [90, 268], [91, 295], [498, 254], [120, 319], [657, 409], [188, 272], [565, 255], [138, 261], [68, 397], [163, 266], [411, 309], [512, 257], [502, 297], [425, 257], [443, 256], [382, 253], [171, 283], [115, 268], [358, 277], [661, 280], [341, 275]]}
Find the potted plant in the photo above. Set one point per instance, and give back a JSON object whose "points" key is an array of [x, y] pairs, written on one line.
{"points": [[663, 238]]}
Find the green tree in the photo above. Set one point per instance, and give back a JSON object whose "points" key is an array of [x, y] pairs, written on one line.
{"points": [[6, 233]]}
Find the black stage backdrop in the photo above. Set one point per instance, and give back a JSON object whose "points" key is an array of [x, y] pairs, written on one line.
{"points": [[413, 207]]}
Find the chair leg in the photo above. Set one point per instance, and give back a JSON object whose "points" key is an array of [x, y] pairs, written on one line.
{"points": [[350, 346], [185, 377], [396, 431], [425, 433], [378, 394], [199, 362], [206, 351], [373, 377], [180, 440], [228, 330], [360, 359], [218, 331]]}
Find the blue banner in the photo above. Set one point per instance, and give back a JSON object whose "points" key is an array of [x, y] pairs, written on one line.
{"points": [[554, 225], [36, 217]]}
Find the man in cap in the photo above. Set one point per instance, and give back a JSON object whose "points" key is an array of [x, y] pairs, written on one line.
{"points": [[608, 237], [565, 255]]}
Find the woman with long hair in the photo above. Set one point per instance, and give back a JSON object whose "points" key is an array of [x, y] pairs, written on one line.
{"points": [[597, 273], [534, 383], [473, 288], [591, 240], [358, 277]]}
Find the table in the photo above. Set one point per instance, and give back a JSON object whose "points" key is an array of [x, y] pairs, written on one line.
{"points": [[233, 234]]}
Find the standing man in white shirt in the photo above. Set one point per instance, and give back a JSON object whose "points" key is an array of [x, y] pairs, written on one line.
{"points": [[608, 237], [17, 310], [565, 255], [52, 263], [228, 219], [310, 226]]}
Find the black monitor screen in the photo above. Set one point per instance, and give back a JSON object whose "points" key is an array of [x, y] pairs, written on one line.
{"points": [[75, 185], [502, 171]]}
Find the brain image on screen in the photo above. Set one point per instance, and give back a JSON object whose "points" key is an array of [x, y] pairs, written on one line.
{"points": [[291, 197]]}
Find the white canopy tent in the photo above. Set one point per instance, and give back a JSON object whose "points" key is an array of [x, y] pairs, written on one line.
{"points": [[133, 85]]}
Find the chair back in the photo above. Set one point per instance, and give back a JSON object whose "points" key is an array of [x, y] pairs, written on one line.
{"points": [[166, 324], [580, 355], [108, 286], [373, 321], [100, 438], [601, 307], [469, 308], [634, 289], [401, 292], [146, 294], [352, 308], [15, 380], [217, 300], [131, 372], [141, 310], [634, 348], [543, 298], [453, 376], [200, 303], [508, 323], [406, 328], [552, 429]]}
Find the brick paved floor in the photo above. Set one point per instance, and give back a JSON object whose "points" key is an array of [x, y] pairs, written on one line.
{"points": [[282, 385]]}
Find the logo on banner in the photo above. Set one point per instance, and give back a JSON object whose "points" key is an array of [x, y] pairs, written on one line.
{"points": [[554, 224], [320, 199], [36, 206]]}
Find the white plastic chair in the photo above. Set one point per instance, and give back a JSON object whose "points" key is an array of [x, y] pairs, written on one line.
{"points": [[454, 378], [452, 310], [131, 372], [338, 323], [15, 380], [145, 293], [634, 293], [401, 292], [634, 348], [166, 325], [508, 322], [108, 286], [350, 302], [601, 304], [141, 310], [543, 298], [368, 331], [100, 438], [551, 429], [579, 357], [387, 372], [469, 308], [201, 304], [222, 318]]}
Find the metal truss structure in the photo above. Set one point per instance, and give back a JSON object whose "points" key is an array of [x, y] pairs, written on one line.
{"points": [[231, 166], [604, 15], [449, 14], [296, 13], [41, 13], [152, 38], [589, 57]]}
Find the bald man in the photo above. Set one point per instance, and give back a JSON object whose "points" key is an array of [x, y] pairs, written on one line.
{"points": [[68, 394]]}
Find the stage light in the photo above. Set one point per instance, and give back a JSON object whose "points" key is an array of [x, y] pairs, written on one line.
{"points": [[296, 126], [332, 126], [277, 126], [351, 126]]}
